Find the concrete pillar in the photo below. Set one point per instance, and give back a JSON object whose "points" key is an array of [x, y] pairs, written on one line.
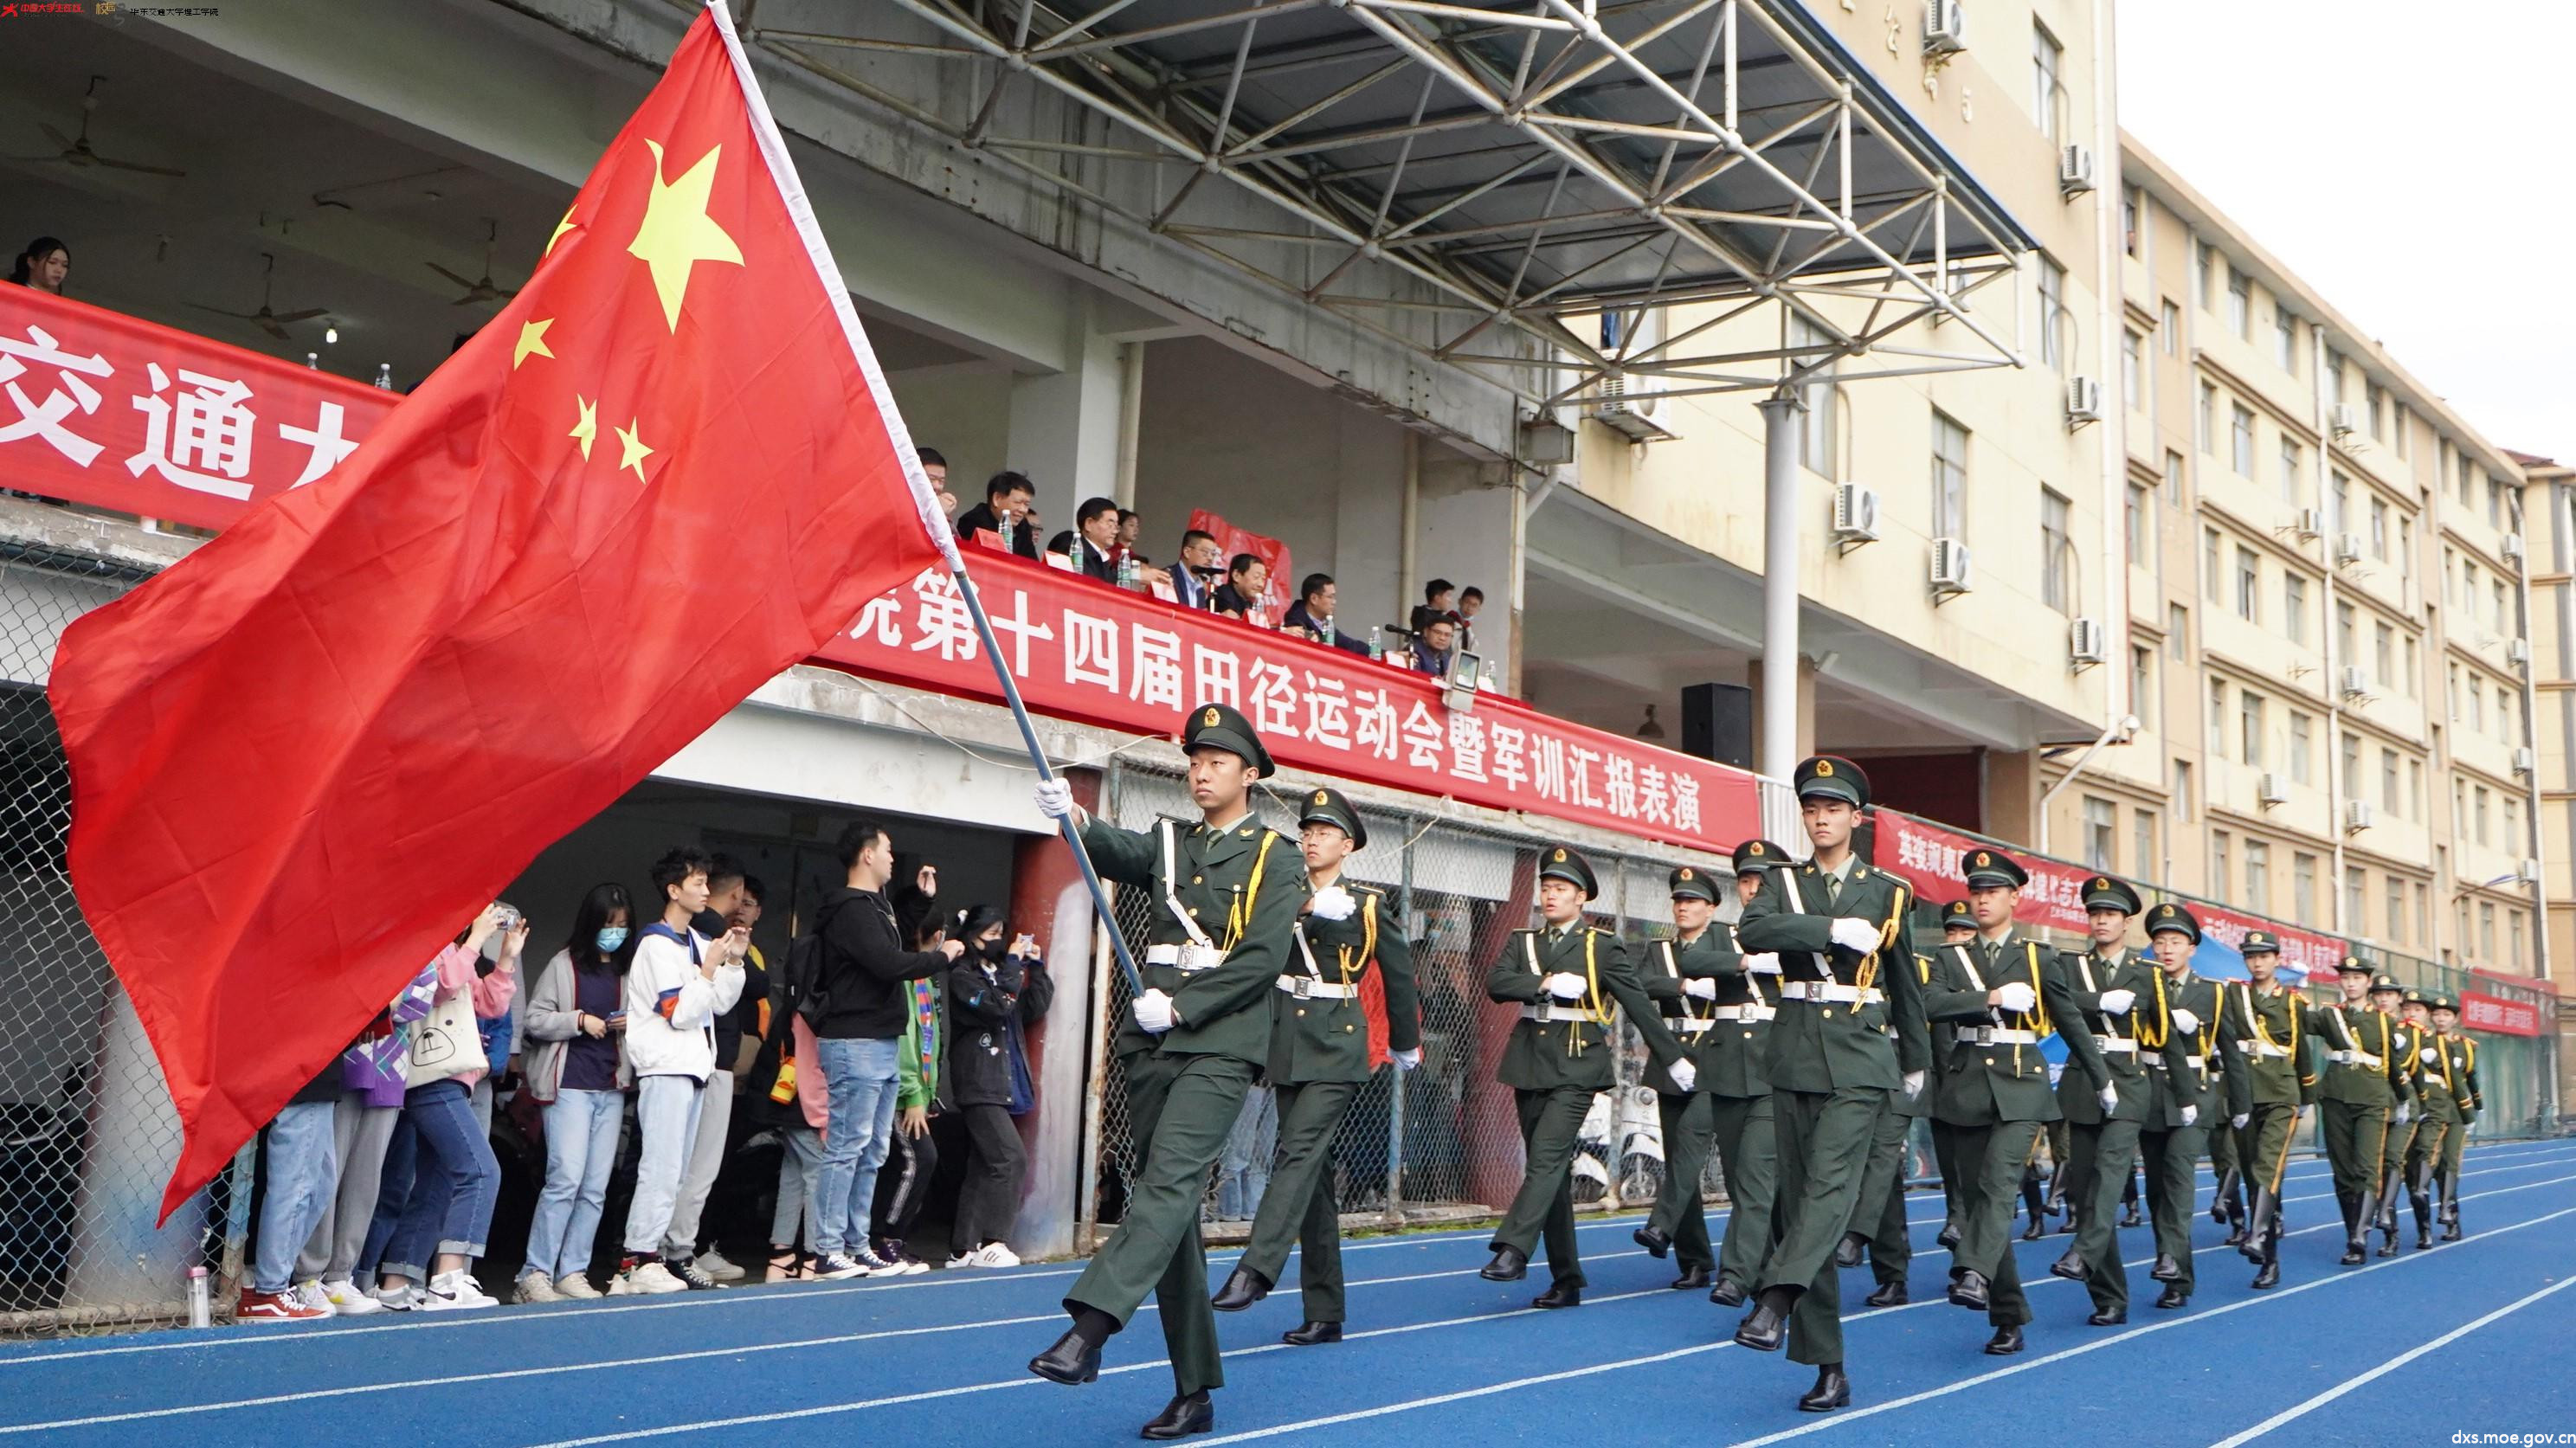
{"points": [[1048, 901], [1778, 749], [1470, 533], [1065, 424]]}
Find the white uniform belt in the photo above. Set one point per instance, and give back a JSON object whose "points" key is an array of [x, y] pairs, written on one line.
{"points": [[2355, 1058], [2262, 1048], [2157, 1063], [2116, 1045], [1303, 986], [1547, 1011], [1996, 1036], [1828, 992], [1188, 959], [1745, 1012], [1697, 1023]]}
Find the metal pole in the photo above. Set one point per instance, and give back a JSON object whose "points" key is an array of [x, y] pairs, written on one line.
{"points": [[1395, 1107], [1780, 415]]}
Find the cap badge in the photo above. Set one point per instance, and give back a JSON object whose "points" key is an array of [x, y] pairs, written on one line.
{"points": [[1558, 858], [1824, 769], [1686, 873], [1757, 847], [1211, 718], [1321, 797], [1984, 859]]}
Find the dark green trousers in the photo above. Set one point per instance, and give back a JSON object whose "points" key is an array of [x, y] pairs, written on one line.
{"points": [[1748, 1149], [2172, 1157], [1180, 1110], [1690, 1130], [1824, 1151], [2263, 1147], [1945, 1159], [2454, 1142], [1879, 1212], [2356, 1144], [1299, 1210], [1991, 1160], [2392, 1153], [2430, 1146], [2106, 1156], [1551, 1130]]}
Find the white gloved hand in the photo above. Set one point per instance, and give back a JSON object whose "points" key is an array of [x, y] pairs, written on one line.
{"points": [[1566, 986], [1055, 798], [1704, 989], [1684, 1074], [2109, 1096], [2015, 995], [1407, 1060], [1332, 903], [2405, 1112], [2185, 1022], [2428, 1056], [2117, 1002], [1853, 934], [1763, 962], [1153, 1012], [1913, 1084], [2238, 1121], [2191, 1116]]}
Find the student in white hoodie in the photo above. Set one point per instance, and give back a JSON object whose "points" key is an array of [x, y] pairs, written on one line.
{"points": [[679, 983]]}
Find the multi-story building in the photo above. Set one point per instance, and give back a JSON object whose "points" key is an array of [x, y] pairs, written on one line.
{"points": [[2549, 530]]}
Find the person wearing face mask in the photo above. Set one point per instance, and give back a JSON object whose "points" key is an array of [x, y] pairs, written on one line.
{"points": [[995, 992], [576, 1053]]}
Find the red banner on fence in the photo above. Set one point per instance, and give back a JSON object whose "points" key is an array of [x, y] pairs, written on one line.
{"points": [[2499, 1015]]}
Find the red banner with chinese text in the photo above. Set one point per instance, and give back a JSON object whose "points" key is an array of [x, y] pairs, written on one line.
{"points": [[2497, 1014]]}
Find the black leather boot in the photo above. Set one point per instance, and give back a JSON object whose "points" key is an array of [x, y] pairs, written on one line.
{"points": [[2224, 1193], [1832, 1390], [1243, 1287], [1183, 1416], [2258, 1225], [2268, 1232], [2355, 1250], [2005, 1342], [2423, 1202]]}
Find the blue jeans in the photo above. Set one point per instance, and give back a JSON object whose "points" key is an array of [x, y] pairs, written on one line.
{"points": [[581, 1145], [303, 1174], [1243, 1172], [453, 1189], [860, 1075]]}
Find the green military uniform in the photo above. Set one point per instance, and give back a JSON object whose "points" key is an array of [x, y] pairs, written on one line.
{"points": [[2106, 1142], [1224, 903], [1995, 1092], [1878, 1213], [1733, 1058], [2363, 1081], [2267, 1032], [2189, 1101], [1562, 1053], [2404, 1040], [2438, 1094], [1319, 1060], [1957, 915], [1688, 1000], [2460, 1058], [1850, 1030]]}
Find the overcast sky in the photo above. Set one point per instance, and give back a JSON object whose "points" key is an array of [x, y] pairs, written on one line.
{"points": [[2412, 162]]}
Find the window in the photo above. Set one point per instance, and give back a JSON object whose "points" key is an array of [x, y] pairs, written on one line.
{"points": [[2405, 548], [2356, 884], [2204, 263], [2240, 304], [2210, 582], [2249, 583], [2133, 366], [1949, 478], [2173, 479], [2218, 717], [2142, 678], [2289, 472], [2334, 375], [2300, 748], [2413, 666], [2415, 789], [2486, 930], [2512, 837], [2169, 328], [2204, 426], [2423, 904], [2132, 207], [2459, 806], [2240, 437], [2379, 529], [2285, 340], [2047, 92], [2056, 324], [2177, 633], [2514, 920], [2338, 503], [2375, 401], [2182, 796], [2388, 779], [2294, 608], [2345, 652], [2504, 714], [2501, 607], [2101, 833], [2495, 503], [2478, 706], [2468, 471], [2383, 652], [2352, 765], [2258, 876], [2222, 865], [2398, 425], [1816, 426], [2143, 840], [2141, 522], [2249, 718], [2478, 812], [2396, 910], [2056, 553], [2303, 887]]}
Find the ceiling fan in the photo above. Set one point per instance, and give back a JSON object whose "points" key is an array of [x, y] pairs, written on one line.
{"points": [[269, 321], [483, 290], [76, 149]]}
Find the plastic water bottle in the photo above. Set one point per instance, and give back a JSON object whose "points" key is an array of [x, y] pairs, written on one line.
{"points": [[1377, 642], [313, 361], [385, 375], [201, 1311], [1126, 569]]}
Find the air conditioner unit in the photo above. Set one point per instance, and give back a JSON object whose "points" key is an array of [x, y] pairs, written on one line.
{"points": [[2074, 170], [2356, 682], [1855, 514], [2083, 401], [2086, 647], [2344, 418], [2310, 525], [1945, 27], [2512, 546], [1627, 335], [2357, 816], [2270, 789], [1949, 567], [2347, 548], [2517, 652], [2523, 760], [2528, 872]]}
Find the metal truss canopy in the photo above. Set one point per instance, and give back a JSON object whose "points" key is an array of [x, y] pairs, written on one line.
{"points": [[1508, 188]]}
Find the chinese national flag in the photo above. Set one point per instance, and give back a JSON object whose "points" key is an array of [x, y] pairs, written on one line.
{"points": [[305, 756]]}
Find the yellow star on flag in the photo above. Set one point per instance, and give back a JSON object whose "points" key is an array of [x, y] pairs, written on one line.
{"points": [[532, 342], [586, 429], [677, 232], [560, 228], [635, 450]]}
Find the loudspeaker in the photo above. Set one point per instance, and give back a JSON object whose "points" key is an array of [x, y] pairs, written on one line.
{"points": [[1717, 723]]}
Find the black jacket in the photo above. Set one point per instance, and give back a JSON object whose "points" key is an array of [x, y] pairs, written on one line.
{"points": [[985, 1017], [1024, 539], [864, 966]]}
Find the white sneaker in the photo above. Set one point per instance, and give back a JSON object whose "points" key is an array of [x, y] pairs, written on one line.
{"points": [[535, 1287], [575, 1287], [646, 1279], [963, 1259], [310, 1293], [348, 1299], [449, 1291], [713, 1263], [996, 1254], [398, 1299]]}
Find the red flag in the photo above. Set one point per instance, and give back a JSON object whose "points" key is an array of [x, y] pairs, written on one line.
{"points": [[303, 757]]}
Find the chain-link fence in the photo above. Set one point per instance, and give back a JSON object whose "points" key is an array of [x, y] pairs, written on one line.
{"points": [[87, 1134]]}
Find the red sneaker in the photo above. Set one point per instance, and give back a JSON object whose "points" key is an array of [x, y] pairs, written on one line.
{"points": [[258, 1306]]}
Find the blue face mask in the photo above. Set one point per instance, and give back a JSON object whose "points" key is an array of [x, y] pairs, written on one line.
{"points": [[612, 939]]}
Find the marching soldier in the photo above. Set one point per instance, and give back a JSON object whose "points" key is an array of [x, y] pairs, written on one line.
{"points": [[2266, 1019], [1225, 895], [2363, 1081], [1564, 977], [2189, 1098], [1958, 927], [2438, 1093], [1878, 1217], [1849, 1034], [2405, 1039], [1733, 1074], [2004, 994], [1721, 1013], [2121, 1000], [2460, 1056], [1319, 1060]]}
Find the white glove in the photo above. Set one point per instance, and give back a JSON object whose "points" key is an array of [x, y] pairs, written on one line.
{"points": [[1704, 989], [2191, 1116], [1684, 1074], [1407, 1060], [1765, 962], [1913, 1084], [1853, 934], [2014, 995], [2185, 1022], [1332, 903], [2117, 1002], [2405, 1112], [2109, 1096], [1154, 1012], [2238, 1121], [1055, 798], [1566, 986], [2428, 1056]]}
